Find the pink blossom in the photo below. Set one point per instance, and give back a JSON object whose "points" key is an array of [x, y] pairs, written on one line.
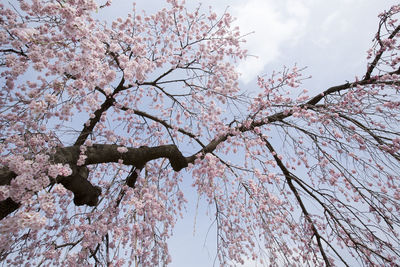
{"points": [[122, 149], [285, 172]]}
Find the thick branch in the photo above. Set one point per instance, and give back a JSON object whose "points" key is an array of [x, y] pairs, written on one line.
{"points": [[6, 176], [8, 205], [84, 192], [138, 157]]}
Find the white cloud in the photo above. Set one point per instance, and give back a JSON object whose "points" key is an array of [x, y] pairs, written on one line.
{"points": [[273, 25], [297, 8]]}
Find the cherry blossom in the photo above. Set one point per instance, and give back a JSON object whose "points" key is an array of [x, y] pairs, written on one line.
{"points": [[101, 121]]}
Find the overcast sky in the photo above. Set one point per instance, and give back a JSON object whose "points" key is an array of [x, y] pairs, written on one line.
{"points": [[329, 37]]}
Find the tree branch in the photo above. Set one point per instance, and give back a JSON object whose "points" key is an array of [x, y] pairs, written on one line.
{"points": [[280, 116], [21, 53], [110, 100], [378, 56], [84, 192], [288, 177]]}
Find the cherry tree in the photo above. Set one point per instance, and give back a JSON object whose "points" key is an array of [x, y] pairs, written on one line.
{"points": [[100, 123]]}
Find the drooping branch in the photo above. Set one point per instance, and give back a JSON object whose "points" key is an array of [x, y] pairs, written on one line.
{"points": [[289, 179], [374, 136]]}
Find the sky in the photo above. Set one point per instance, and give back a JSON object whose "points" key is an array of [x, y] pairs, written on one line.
{"points": [[328, 37]]}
